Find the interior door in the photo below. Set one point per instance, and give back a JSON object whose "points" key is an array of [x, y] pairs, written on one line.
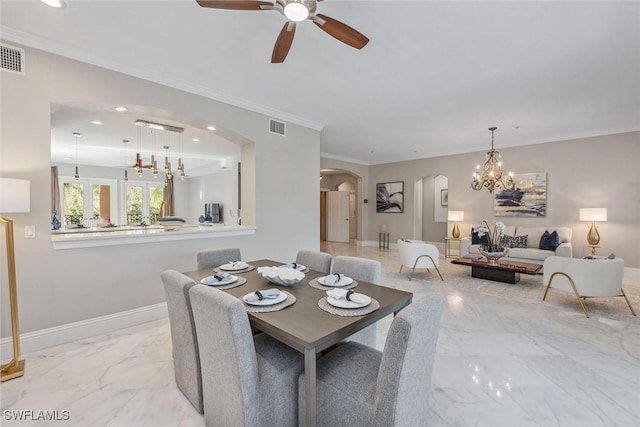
{"points": [[338, 216]]}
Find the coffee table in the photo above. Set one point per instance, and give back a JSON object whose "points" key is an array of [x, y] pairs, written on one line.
{"points": [[504, 271]]}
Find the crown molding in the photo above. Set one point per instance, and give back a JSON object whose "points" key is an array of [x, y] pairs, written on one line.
{"points": [[42, 43]]}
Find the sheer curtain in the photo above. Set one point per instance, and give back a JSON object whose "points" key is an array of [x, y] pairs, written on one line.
{"points": [[168, 196], [55, 190]]}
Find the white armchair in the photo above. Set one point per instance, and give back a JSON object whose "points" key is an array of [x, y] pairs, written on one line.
{"points": [[418, 254], [586, 278]]}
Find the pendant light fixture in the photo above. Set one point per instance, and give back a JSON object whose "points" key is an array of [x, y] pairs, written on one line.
{"points": [[138, 156], [77, 135], [154, 163], [180, 163], [126, 145], [491, 175]]}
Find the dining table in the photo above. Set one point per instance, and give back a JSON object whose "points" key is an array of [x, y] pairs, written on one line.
{"points": [[303, 325]]}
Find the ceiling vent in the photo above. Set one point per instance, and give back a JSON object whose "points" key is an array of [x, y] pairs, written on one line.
{"points": [[12, 59], [277, 127]]}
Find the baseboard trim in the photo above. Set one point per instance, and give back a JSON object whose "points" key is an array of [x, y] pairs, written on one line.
{"points": [[37, 340]]}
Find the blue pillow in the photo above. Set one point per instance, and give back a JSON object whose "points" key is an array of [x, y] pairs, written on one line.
{"points": [[478, 240], [549, 241]]}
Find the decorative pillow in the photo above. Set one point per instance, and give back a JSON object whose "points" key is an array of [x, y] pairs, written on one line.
{"points": [[478, 240], [549, 242], [514, 242]]}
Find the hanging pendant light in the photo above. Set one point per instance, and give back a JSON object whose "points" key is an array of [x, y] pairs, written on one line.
{"points": [[154, 163], [126, 176], [491, 175], [77, 135], [138, 156], [180, 163]]}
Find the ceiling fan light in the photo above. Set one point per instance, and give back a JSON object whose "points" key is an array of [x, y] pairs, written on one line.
{"points": [[296, 12]]}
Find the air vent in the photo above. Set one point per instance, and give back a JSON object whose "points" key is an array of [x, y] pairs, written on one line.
{"points": [[277, 127], [12, 59]]}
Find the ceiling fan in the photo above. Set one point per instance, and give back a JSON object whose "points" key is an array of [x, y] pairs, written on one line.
{"points": [[295, 11]]}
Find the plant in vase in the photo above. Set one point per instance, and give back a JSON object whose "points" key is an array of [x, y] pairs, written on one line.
{"points": [[492, 247]]}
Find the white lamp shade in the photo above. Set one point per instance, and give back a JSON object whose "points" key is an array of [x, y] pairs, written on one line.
{"points": [[593, 214], [15, 195], [455, 216]]}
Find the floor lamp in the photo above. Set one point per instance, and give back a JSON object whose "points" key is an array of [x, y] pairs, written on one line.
{"points": [[14, 198]]}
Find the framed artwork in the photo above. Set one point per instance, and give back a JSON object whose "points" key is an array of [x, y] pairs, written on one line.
{"points": [[444, 197], [390, 197], [528, 198]]}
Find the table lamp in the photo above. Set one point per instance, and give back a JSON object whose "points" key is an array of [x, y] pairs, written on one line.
{"points": [[14, 198], [593, 215], [455, 216]]}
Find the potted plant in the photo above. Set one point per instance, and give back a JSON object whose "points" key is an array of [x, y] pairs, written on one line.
{"points": [[492, 248]]}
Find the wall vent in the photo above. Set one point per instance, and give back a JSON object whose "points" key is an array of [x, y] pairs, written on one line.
{"points": [[12, 59], [277, 127]]}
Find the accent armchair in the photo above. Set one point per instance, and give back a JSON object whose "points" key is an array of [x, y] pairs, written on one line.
{"points": [[418, 254], [586, 278]]}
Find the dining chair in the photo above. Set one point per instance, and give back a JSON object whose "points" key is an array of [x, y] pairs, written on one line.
{"points": [[186, 359], [367, 270], [246, 381], [317, 261], [360, 386], [216, 257], [418, 254]]}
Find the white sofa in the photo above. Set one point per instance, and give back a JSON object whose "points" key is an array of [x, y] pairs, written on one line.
{"points": [[531, 253]]}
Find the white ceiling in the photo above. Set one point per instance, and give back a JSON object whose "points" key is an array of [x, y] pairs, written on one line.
{"points": [[433, 78]]}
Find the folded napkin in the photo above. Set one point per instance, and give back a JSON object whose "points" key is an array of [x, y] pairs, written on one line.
{"points": [[295, 266], [332, 279], [238, 264], [260, 295], [217, 278], [346, 294]]}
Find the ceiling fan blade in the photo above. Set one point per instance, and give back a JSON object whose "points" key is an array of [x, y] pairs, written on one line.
{"points": [[283, 43], [341, 31], [236, 4]]}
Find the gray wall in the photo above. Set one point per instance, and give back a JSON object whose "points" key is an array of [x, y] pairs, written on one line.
{"points": [[590, 172], [59, 287]]}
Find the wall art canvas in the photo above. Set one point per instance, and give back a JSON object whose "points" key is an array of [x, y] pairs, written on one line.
{"points": [[528, 198], [390, 197]]}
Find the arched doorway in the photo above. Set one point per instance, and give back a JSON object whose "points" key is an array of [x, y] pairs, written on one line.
{"points": [[431, 208], [342, 181]]}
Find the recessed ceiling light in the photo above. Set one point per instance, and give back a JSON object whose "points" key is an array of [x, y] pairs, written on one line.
{"points": [[211, 127], [96, 122], [196, 140], [54, 3], [120, 108]]}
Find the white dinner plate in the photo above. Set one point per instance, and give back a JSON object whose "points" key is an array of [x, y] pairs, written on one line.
{"points": [[357, 301], [343, 282], [299, 267], [234, 266], [209, 280], [266, 301]]}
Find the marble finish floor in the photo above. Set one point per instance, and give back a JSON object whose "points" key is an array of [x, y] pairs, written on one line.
{"points": [[504, 358]]}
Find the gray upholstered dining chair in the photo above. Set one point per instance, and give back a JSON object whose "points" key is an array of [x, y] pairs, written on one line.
{"points": [[246, 381], [186, 360], [317, 261], [360, 386], [367, 270], [216, 257]]}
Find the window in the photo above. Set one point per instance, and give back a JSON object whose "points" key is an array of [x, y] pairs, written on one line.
{"points": [[143, 202], [87, 201]]}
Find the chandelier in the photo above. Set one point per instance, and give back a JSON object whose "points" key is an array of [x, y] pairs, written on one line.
{"points": [[154, 128], [491, 175]]}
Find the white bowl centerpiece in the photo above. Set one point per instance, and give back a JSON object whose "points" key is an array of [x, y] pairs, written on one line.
{"points": [[281, 275]]}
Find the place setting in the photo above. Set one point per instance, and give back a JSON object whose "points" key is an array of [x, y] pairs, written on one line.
{"points": [[235, 267], [296, 266], [333, 281], [267, 300], [346, 302], [222, 281]]}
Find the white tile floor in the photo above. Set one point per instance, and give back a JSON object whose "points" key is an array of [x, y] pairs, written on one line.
{"points": [[504, 358]]}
